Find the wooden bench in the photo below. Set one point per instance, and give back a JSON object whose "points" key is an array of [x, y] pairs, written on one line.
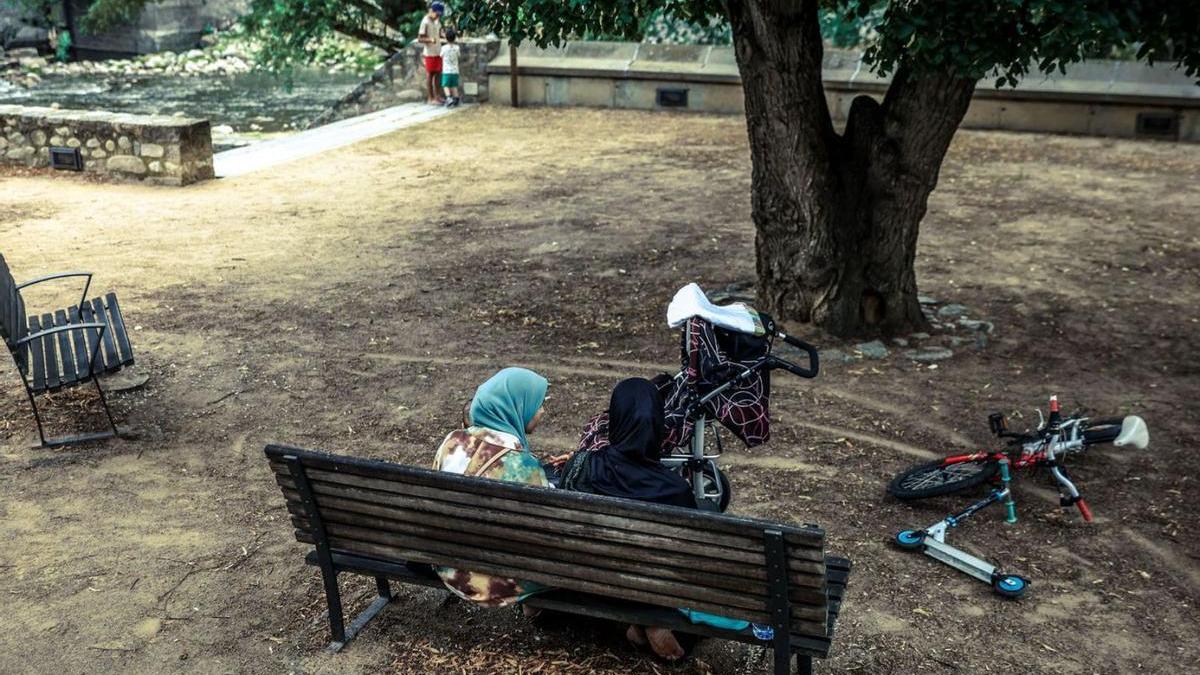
{"points": [[607, 558], [64, 348]]}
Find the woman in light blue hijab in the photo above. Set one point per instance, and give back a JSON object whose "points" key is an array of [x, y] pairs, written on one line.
{"points": [[494, 445]]}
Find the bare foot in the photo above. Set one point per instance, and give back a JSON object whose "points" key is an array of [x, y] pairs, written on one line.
{"points": [[531, 612], [664, 644], [636, 636]]}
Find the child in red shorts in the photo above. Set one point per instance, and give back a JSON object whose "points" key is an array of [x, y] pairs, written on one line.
{"points": [[430, 35]]}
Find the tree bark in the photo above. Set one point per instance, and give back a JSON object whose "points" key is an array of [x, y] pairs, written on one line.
{"points": [[837, 216]]}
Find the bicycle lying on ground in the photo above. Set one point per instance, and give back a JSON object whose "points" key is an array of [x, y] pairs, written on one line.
{"points": [[1046, 447]]}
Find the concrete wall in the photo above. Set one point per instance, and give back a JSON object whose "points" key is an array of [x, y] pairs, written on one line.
{"points": [[1096, 97], [401, 79], [147, 148]]}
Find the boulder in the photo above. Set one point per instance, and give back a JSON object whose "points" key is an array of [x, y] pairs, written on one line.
{"points": [[126, 164]]}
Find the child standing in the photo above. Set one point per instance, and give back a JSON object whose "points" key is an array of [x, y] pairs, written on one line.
{"points": [[450, 68], [430, 37]]}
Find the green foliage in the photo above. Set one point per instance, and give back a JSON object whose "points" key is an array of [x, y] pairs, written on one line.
{"points": [[661, 26], [104, 14], [296, 32]]}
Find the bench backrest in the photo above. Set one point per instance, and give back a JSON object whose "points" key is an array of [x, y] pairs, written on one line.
{"points": [[13, 326], [618, 548]]}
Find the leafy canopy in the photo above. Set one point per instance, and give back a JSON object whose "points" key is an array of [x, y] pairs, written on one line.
{"points": [[966, 38]]}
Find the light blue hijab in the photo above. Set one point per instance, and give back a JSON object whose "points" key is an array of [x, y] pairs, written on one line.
{"points": [[508, 401]]}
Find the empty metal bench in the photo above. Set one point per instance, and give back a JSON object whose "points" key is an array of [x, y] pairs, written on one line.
{"points": [[608, 558], [64, 348]]}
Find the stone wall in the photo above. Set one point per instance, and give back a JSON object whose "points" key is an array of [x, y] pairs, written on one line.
{"points": [[147, 148], [401, 79]]}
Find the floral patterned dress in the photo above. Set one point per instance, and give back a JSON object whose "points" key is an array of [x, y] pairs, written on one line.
{"points": [[486, 453]]}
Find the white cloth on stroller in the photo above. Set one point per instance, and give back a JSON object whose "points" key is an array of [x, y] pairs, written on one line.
{"points": [[690, 301]]}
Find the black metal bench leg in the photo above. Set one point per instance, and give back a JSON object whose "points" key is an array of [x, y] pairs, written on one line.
{"points": [[783, 657], [347, 634], [385, 589], [333, 598], [803, 664], [104, 401], [68, 440], [37, 417]]}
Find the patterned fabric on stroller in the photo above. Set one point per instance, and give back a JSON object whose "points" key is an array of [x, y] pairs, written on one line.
{"points": [[710, 355]]}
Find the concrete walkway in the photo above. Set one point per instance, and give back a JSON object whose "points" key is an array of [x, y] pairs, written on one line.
{"points": [[312, 141]]}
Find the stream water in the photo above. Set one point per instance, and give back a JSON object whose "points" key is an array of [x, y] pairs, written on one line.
{"points": [[241, 107]]}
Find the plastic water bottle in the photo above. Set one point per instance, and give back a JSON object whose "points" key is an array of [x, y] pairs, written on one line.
{"points": [[763, 632]]}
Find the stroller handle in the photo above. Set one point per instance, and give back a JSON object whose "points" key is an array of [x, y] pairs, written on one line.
{"points": [[814, 362]]}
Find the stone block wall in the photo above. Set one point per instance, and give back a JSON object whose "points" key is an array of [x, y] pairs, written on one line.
{"points": [[401, 79], [147, 148]]}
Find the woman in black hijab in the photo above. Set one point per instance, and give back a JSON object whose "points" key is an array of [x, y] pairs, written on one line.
{"points": [[630, 466]]}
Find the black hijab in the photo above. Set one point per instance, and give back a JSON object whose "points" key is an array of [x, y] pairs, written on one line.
{"points": [[629, 467]]}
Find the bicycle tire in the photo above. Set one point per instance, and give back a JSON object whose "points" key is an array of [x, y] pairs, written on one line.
{"points": [[934, 479]]}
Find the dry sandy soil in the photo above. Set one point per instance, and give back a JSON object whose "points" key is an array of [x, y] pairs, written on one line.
{"points": [[352, 302]]}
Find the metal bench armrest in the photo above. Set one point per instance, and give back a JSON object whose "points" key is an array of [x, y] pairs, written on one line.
{"points": [[59, 329], [62, 275]]}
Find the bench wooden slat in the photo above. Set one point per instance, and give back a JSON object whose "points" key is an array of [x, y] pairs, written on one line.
{"points": [[723, 573], [64, 348], [450, 503], [109, 350], [584, 604], [497, 564], [745, 528], [571, 573], [429, 510], [81, 344], [809, 604], [751, 546], [120, 336], [50, 355], [38, 371]]}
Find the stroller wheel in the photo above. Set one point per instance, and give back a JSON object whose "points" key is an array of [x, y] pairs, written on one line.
{"points": [[713, 478]]}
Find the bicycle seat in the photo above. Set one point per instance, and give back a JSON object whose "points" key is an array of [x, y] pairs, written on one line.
{"points": [[1133, 432], [690, 301]]}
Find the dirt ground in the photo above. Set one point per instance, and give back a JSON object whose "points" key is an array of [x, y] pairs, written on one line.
{"points": [[352, 302]]}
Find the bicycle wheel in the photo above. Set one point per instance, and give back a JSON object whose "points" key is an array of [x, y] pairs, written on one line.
{"points": [[934, 479]]}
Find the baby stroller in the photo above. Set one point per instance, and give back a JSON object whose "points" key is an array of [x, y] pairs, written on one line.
{"points": [[725, 379]]}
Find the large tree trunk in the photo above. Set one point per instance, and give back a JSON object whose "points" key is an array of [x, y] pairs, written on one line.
{"points": [[837, 216]]}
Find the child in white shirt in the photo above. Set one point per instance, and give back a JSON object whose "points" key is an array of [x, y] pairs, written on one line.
{"points": [[450, 68]]}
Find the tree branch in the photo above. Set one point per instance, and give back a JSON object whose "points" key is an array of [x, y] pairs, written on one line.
{"points": [[386, 43], [921, 113]]}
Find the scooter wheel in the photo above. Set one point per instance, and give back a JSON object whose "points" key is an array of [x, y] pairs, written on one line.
{"points": [[912, 540], [1010, 585]]}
